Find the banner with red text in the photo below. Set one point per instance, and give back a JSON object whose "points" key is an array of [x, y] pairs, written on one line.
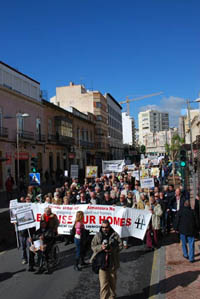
{"points": [[125, 221]]}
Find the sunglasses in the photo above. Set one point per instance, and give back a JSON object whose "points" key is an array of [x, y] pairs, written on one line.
{"points": [[105, 227]]}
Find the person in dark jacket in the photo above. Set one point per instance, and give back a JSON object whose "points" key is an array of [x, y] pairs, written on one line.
{"points": [[47, 236], [108, 242], [197, 211], [185, 223]]}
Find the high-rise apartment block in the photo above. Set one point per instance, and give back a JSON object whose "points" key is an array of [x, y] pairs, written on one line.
{"points": [[128, 124], [152, 121]]}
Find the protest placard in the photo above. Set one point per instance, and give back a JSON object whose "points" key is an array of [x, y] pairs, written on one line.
{"points": [[136, 175], [155, 172], [91, 171], [25, 219], [144, 173], [113, 166], [16, 207], [147, 183], [144, 161], [74, 171]]}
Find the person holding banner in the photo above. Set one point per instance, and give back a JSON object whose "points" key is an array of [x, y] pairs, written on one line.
{"points": [[79, 240], [108, 242], [51, 219]]}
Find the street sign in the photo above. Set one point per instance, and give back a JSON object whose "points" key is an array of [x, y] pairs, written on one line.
{"points": [[34, 179]]}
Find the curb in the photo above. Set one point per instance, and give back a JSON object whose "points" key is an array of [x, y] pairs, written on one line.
{"points": [[157, 274]]}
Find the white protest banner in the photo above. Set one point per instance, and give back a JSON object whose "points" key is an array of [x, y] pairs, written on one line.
{"points": [[147, 183], [131, 166], [113, 166], [25, 218], [125, 221], [74, 171]]}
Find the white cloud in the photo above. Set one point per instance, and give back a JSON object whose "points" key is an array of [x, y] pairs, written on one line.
{"points": [[172, 105]]}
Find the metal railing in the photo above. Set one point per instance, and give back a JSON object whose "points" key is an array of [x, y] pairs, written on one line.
{"points": [[40, 137], [25, 135], [3, 132], [60, 139], [86, 144]]}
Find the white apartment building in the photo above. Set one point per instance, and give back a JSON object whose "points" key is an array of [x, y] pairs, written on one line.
{"points": [[115, 138], [195, 125], [128, 125], [155, 142], [152, 121]]}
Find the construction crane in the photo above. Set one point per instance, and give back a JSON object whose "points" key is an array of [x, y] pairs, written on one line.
{"points": [[138, 99]]}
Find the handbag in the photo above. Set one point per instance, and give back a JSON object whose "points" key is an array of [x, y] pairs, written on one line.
{"points": [[100, 261], [72, 231]]}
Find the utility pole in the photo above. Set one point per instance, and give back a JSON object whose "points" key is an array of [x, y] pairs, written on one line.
{"points": [[192, 153]]}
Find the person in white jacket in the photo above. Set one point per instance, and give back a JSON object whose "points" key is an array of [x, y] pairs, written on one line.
{"points": [[154, 226]]}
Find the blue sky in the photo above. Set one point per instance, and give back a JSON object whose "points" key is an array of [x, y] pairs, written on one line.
{"points": [[126, 48]]}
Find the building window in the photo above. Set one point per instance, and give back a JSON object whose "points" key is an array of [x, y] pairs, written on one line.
{"points": [[98, 105], [20, 122], [82, 134], [49, 127], [99, 118], [86, 135], [38, 127]]}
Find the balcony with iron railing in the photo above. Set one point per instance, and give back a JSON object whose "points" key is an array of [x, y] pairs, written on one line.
{"points": [[86, 144], [25, 135], [3, 132], [60, 139], [40, 138]]}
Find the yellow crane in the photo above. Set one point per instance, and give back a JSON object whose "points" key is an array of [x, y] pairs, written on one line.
{"points": [[127, 101]]}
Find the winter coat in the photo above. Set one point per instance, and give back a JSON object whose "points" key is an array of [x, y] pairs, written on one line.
{"points": [[52, 223], [115, 244], [185, 222], [155, 219]]}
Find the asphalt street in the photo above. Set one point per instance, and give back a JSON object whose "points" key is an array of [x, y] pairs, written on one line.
{"points": [[134, 276]]}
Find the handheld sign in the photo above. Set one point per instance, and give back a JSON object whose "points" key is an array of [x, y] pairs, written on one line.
{"points": [[147, 183]]}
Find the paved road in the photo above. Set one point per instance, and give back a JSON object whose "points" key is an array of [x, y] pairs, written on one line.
{"points": [[64, 283]]}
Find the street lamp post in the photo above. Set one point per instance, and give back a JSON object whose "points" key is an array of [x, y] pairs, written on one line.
{"points": [[18, 117]]}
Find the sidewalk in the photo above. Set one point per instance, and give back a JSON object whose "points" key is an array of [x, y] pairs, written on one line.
{"points": [[182, 277], [173, 276]]}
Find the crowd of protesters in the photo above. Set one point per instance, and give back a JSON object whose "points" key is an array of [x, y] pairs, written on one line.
{"points": [[163, 201]]}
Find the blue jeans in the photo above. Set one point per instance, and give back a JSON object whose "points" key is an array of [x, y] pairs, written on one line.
{"points": [[24, 244], [190, 240], [78, 247]]}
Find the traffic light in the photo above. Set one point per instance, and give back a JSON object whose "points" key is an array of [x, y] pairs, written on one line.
{"points": [[34, 164], [183, 158]]}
